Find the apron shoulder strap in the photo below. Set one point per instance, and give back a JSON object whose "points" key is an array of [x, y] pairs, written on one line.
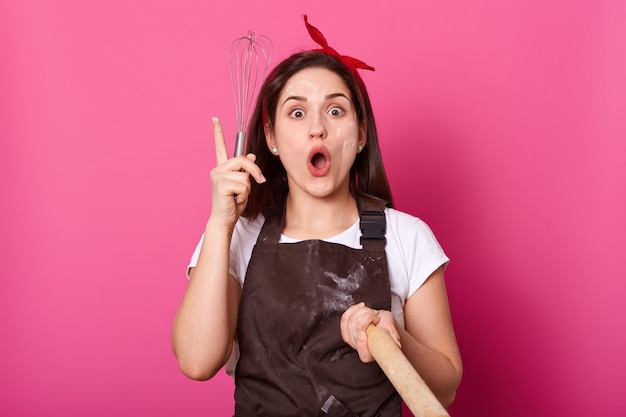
{"points": [[373, 223], [272, 227]]}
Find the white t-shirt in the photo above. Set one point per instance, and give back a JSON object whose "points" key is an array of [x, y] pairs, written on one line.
{"points": [[412, 250]]}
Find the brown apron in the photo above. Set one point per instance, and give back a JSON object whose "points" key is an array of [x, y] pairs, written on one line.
{"points": [[293, 360]]}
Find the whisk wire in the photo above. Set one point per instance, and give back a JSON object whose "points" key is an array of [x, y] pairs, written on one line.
{"points": [[250, 56]]}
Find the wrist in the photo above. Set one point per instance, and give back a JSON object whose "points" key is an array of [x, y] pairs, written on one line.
{"points": [[219, 227]]}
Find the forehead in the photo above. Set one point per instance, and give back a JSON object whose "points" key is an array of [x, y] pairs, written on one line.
{"points": [[311, 81]]}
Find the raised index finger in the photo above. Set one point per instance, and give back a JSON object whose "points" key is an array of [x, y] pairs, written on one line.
{"points": [[221, 153]]}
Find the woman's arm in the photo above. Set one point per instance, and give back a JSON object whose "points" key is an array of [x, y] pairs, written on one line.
{"points": [[205, 323], [429, 342]]}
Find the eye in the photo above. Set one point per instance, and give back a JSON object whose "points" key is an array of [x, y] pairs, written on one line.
{"points": [[297, 113], [336, 111]]}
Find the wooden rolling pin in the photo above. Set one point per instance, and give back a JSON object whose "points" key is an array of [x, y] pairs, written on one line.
{"points": [[411, 387]]}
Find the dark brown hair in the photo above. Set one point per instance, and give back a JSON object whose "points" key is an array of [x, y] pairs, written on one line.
{"points": [[367, 173]]}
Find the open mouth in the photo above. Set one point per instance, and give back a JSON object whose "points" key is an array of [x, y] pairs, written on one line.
{"points": [[319, 161]]}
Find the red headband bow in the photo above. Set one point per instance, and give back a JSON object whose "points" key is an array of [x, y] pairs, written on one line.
{"points": [[352, 63]]}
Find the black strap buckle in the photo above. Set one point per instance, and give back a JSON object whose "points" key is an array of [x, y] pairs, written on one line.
{"points": [[373, 225]]}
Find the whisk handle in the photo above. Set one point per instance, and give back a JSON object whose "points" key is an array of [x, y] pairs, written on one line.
{"points": [[240, 143]]}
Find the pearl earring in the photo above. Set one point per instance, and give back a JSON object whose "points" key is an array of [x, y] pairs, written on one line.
{"points": [[359, 148], [274, 149]]}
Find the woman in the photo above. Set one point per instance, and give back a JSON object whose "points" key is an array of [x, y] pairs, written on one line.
{"points": [[294, 265]]}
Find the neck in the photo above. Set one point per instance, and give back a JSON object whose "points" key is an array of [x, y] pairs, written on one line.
{"points": [[309, 217]]}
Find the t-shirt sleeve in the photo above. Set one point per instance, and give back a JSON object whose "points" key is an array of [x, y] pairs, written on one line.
{"points": [[415, 248], [232, 266], [241, 245], [194, 257], [429, 256]]}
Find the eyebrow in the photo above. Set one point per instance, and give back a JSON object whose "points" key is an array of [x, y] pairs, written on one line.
{"points": [[327, 97], [335, 95]]}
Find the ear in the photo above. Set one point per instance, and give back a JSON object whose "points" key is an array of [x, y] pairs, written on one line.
{"points": [[269, 136], [362, 135]]}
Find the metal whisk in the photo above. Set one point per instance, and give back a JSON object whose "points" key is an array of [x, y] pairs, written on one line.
{"points": [[249, 59]]}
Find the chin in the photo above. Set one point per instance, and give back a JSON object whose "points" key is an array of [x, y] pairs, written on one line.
{"points": [[323, 187], [323, 191]]}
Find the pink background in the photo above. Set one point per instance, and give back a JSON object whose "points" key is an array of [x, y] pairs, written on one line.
{"points": [[502, 125]]}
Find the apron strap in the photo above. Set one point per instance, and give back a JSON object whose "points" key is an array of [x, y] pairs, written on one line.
{"points": [[373, 223]]}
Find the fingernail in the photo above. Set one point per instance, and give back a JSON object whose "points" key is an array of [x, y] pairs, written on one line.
{"points": [[215, 119], [263, 179]]}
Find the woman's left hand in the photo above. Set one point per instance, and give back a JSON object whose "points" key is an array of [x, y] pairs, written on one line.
{"points": [[354, 323]]}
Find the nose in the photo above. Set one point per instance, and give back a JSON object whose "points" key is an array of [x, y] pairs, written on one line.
{"points": [[317, 128]]}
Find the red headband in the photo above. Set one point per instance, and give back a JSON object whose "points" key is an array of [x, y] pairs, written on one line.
{"points": [[352, 63]]}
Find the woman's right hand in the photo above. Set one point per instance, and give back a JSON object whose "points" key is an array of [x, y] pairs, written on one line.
{"points": [[230, 180]]}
